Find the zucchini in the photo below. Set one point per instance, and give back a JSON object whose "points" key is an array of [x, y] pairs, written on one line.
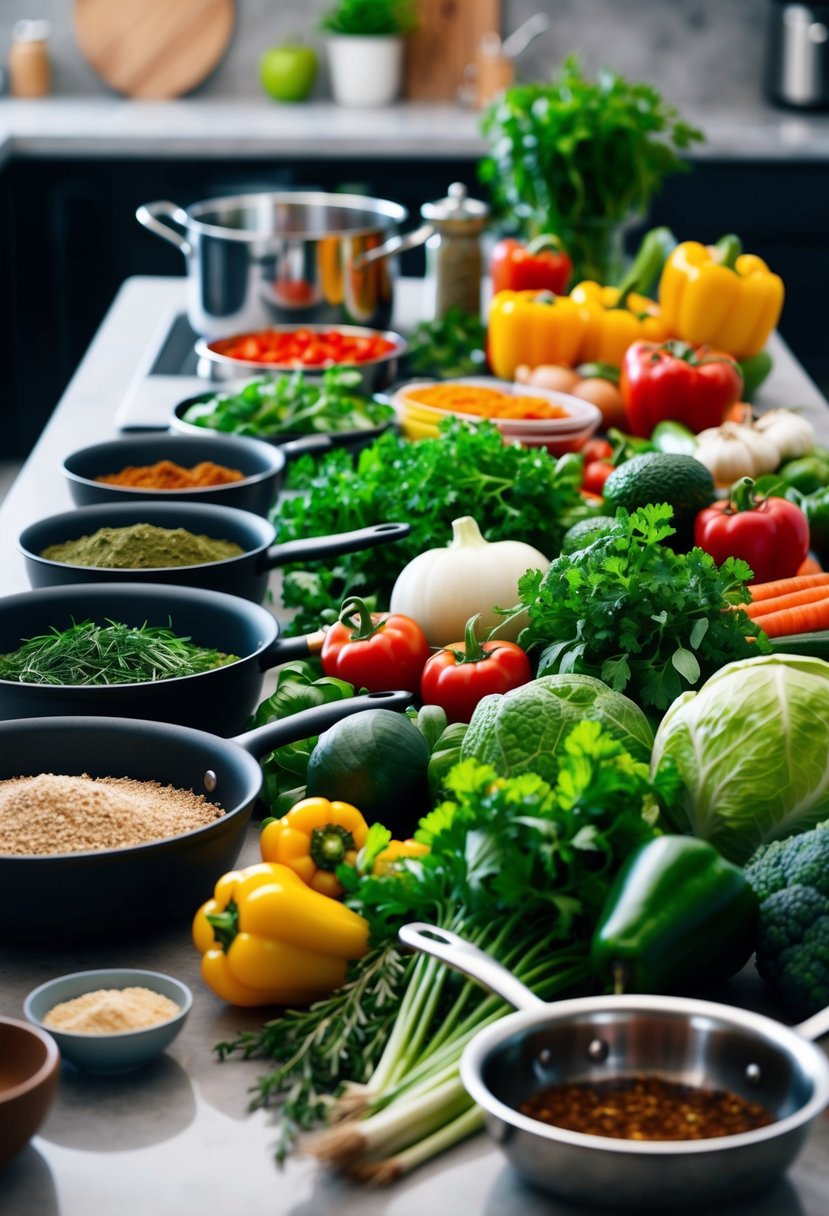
{"points": [[376, 760], [812, 645]]}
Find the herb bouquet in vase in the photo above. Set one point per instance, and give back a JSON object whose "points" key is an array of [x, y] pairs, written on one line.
{"points": [[582, 160]]}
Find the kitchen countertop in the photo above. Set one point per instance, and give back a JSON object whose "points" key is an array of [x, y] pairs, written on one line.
{"points": [[58, 127], [176, 1136]]}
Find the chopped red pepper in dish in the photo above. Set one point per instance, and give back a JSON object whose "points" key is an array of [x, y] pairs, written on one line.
{"points": [[303, 347]]}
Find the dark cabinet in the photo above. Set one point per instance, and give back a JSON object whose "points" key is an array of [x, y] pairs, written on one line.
{"points": [[69, 239]]}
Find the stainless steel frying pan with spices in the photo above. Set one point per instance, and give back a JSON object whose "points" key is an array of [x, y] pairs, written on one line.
{"points": [[700, 1044], [85, 893], [244, 574]]}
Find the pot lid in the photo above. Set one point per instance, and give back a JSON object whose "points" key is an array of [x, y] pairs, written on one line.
{"points": [[456, 207]]}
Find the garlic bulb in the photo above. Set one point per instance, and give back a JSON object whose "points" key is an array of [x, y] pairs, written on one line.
{"points": [[442, 588], [732, 451], [790, 433]]}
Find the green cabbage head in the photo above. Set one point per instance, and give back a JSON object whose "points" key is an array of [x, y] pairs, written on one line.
{"points": [[521, 731], [752, 749]]}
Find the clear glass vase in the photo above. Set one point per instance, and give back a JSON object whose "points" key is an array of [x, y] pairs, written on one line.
{"points": [[596, 247]]}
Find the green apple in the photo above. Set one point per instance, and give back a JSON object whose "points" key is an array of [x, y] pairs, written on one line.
{"points": [[288, 72]]}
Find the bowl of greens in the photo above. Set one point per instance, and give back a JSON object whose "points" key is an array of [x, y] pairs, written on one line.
{"points": [[279, 408]]}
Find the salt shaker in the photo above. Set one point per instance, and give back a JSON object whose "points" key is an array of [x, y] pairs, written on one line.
{"points": [[30, 72], [453, 252]]}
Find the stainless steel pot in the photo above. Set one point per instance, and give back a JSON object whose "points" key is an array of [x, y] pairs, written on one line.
{"points": [[699, 1043], [253, 259]]}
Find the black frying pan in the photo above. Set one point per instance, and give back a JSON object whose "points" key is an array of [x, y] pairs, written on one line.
{"points": [[120, 891], [245, 575], [262, 463], [220, 700]]}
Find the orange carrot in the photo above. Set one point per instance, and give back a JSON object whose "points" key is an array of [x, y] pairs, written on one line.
{"points": [[783, 586], [811, 595], [810, 565], [808, 618]]}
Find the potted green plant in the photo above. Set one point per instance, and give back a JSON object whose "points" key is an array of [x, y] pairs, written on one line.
{"points": [[364, 45], [581, 159]]}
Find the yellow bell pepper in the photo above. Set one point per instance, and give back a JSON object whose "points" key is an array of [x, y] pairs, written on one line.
{"points": [[612, 324], [533, 327], [313, 839], [267, 939], [716, 295], [385, 862]]}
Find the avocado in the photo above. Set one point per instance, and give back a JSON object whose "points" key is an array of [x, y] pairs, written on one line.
{"points": [[682, 481]]}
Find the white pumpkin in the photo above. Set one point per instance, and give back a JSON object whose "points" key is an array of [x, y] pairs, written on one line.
{"points": [[442, 588]]}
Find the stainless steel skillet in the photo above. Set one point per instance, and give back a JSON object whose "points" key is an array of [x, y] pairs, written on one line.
{"points": [[694, 1042]]}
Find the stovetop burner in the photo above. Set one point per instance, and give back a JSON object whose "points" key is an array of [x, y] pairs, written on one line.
{"points": [[166, 376]]}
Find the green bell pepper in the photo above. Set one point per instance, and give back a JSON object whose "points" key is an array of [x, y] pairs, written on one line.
{"points": [[677, 914], [807, 473], [755, 370]]}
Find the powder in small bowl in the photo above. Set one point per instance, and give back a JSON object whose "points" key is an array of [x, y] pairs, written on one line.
{"points": [[112, 1011]]}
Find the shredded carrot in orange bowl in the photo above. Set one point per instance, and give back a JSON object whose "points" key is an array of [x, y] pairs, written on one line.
{"points": [[478, 401]]}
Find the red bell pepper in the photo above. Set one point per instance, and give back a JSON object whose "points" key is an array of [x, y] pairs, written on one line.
{"points": [[673, 381], [771, 534], [457, 677], [542, 265], [379, 650]]}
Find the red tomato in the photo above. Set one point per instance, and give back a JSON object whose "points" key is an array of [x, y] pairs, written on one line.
{"points": [[596, 449], [378, 650], [457, 683], [771, 534], [595, 475]]}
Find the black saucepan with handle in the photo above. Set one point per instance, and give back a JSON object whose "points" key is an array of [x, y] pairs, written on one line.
{"points": [[262, 465], [220, 700], [245, 575], [100, 893]]}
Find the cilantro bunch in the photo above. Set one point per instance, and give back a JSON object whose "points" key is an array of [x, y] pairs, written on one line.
{"points": [[513, 493], [648, 621]]}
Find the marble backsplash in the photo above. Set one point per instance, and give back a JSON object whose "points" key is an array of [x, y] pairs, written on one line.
{"points": [[699, 53]]}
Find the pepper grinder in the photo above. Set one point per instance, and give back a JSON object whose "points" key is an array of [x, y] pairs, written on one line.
{"points": [[453, 252]]}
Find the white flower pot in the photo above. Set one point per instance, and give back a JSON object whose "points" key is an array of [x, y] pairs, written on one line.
{"points": [[365, 71]]}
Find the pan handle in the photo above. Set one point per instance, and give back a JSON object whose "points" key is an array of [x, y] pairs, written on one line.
{"points": [[316, 547], [475, 964], [148, 214], [282, 650], [308, 443], [307, 722], [395, 244], [815, 1027]]}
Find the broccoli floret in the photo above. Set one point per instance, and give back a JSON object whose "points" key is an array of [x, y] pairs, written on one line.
{"points": [[791, 881]]}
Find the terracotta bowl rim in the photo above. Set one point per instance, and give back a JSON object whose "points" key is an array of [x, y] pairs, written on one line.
{"points": [[47, 1067]]}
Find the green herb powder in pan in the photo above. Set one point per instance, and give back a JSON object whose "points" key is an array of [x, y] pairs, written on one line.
{"points": [[141, 547]]}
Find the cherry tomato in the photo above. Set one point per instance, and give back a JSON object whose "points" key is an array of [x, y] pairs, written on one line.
{"points": [[303, 347], [378, 650], [595, 475], [596, 449], [457, 677]]}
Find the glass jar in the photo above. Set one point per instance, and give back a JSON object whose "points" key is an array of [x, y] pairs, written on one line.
{"points": [[30, 71], [453, 252]]}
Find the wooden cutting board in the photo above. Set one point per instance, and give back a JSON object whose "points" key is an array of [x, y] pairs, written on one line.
{"points": [[153, 48], [445, 42]]}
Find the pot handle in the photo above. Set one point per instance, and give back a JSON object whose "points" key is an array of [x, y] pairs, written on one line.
{"points": [[308, 443], [283, 650], [475, 964], [148, 214], [815, 1027], [316, 547], [395, 244], [307, 722]]}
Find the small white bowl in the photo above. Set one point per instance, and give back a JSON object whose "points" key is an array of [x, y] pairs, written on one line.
{"points": [[109, 1052]]}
